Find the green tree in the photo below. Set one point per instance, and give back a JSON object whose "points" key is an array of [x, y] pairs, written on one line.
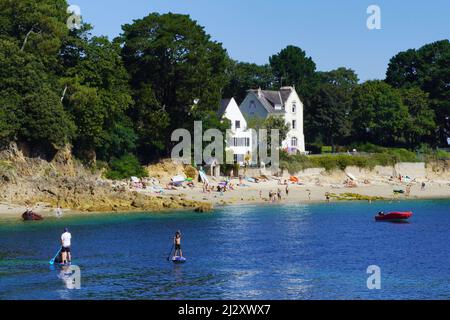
{"points": [[37, 27], [174, 56], [421, 123], [44, 121], [427, 68], [330, 119], [244, 76], [98, 96], [125, 167], [291, 66], [379, 115], [331, 104]]}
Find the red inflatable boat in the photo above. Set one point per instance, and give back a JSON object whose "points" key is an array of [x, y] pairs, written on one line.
{"points": [[394, 216]]}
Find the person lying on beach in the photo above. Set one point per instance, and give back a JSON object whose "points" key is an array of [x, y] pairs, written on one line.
{"points": [[170, 186]]}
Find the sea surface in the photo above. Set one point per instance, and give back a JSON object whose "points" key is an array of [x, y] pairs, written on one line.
{"points": [[305, 251]]}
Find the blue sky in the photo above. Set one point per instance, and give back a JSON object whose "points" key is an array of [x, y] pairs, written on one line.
{"points": [[333, 33]]}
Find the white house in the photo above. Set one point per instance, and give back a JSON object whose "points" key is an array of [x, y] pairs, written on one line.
{"points": [[283, 103], [240, 141]]}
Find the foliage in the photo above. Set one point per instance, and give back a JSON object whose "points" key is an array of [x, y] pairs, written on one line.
{"points": [[296, 163], [244, 76], [379, 114], [174, 56], [125, 167], [429, 69]]}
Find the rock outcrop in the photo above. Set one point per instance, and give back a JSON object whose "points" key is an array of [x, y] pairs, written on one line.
{"points": [[66, 182]]}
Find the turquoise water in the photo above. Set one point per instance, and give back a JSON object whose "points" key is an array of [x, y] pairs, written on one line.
{"points": [[318, 251]]}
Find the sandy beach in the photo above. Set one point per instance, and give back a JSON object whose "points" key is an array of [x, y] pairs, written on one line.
{"points": [[258, 193]]}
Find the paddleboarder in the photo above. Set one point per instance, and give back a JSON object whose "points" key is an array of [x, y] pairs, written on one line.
{"points": [[177, 244], [66, 238]]}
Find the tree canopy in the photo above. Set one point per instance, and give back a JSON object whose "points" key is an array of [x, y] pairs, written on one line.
{"points": [[119, 101]]}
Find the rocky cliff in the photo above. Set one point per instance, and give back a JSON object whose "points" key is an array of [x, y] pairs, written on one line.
{"points": [[66, 182]]}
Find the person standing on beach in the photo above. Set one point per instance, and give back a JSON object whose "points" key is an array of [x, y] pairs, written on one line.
{"points": [[66, 239], [177, 244], [279, 194], [287, 190], [59, 212]]}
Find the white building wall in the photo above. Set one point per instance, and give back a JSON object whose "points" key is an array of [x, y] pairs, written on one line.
{"points": [[290, 116], [234, 114]]}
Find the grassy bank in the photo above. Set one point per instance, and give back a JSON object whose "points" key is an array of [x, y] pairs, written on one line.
{"points": [[388, 157]]}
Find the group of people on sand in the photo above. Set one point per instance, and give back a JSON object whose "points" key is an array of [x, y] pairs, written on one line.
{"points": [[277, 196], [221, 187]]}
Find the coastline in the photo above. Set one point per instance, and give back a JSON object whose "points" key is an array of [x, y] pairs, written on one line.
{"points": [[250, 195]]}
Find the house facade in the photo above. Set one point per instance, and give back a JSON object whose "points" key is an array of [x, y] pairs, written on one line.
{"points": [[240, 139], [283, 103]]}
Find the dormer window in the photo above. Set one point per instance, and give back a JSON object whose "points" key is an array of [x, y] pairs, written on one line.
{"points": [[278, 107]]}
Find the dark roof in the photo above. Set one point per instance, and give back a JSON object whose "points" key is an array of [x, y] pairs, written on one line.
{"points": [[269, 98], [223, 106]]}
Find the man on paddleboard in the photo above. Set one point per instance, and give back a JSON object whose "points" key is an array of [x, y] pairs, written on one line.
{"points": [[66, 238], [177, 244]]}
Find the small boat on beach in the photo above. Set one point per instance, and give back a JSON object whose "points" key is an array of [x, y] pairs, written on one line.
{"points": [[394, 216], [31, 216]]}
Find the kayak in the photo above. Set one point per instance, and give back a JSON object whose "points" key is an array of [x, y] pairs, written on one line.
{"points": [[394, 216], [178, 259]]}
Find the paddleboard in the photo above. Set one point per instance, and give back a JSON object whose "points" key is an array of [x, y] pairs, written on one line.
{"points": [[178, 259]]}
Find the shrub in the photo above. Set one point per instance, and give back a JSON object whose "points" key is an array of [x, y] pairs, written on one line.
{"points": [[191, 172], [125, 167], [442, 155]]}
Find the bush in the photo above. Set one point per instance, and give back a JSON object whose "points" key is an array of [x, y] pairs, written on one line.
{"points": [[125, 167], [191, 172], [296, 163], [442, 155]]}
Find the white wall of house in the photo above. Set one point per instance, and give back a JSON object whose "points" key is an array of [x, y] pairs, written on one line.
{"points": [[294, 117], [241, 138]]}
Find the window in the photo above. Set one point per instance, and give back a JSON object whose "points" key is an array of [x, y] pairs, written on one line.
{"points": [[294, 108], [238, 124], [294, 142], [240, 142], [294, 124], [238, 158]]}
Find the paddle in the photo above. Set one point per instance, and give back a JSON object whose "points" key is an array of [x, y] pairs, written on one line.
{"points": [[170, 253], [52, 262]]}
